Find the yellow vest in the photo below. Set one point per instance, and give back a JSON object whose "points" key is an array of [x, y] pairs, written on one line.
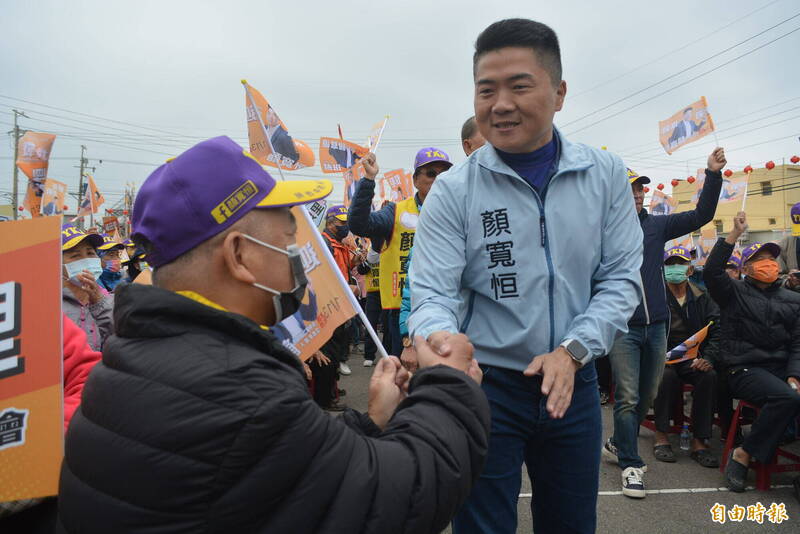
{"points": [[372, 278], [394, 259]]}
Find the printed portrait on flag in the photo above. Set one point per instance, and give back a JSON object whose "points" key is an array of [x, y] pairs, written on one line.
{"points": [[292, 154], [662, 204], [733, 188], [708, 238], [689, 349], [396, 185], [687, 125], [338, 155], [53, 197], [33, 197], [686, 242]]}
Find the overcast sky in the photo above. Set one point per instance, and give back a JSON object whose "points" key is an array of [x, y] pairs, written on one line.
{"points": [[169, 72]]}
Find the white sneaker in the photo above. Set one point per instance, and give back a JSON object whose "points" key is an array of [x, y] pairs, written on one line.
{"points": [[368, 363], [610, 453], [344, 369], [633, 483]]}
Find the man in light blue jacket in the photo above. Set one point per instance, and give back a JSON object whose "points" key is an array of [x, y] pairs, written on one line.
{"points": [[532, 248]]}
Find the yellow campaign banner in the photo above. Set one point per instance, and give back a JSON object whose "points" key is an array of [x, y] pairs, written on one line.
{"points": [[662, 204], [689, 349], [734, 189], [269, 137], [338, 155], [53, 197], [686, 126], [33, 155], [708, 238], [328, 301], [31, 403], [92, 200]]}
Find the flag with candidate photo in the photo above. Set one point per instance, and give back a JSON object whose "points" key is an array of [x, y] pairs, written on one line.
{"points": [[734, 188], [269, 137], [92, 199], [708, 238], [686, 242], [53, 197], [689, 349], [396, 185], [662, 204], [685, 126], [338, 155]]}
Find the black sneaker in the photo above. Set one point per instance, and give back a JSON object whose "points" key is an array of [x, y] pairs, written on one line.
{"points": [[633, 483]]}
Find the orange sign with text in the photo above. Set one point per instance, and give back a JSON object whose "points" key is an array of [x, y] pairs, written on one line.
{"points": [[31, 404], [34, 154], [396, 185]]}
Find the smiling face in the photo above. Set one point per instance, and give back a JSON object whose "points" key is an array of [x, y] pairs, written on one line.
{"points": [[516, 99]]}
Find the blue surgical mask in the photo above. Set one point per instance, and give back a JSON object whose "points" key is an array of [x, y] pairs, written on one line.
{"points": [[675, 274], [92, 265]]}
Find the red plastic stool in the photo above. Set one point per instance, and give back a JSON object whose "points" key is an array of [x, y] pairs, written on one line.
{"points": [[763, 471]]}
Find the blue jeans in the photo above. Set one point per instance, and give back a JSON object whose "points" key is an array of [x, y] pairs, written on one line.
{"points": [[637, 361], [562, 457]]}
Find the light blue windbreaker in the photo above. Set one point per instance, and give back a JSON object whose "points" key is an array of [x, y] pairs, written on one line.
{"points": [[520, 277]]}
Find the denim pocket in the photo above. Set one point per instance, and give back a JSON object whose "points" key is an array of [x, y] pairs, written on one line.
{"points": [[588, 373]]}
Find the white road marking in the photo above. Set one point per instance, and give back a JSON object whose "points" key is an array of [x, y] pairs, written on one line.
{"points": [[670, 490]]}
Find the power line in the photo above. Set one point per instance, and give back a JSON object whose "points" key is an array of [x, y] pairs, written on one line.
{"points": [[687, 81]]}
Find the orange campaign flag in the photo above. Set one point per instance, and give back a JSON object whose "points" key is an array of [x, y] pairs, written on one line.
{"points": [[708, 238], [34, 154], [690, 348], [92, 200], [338, 155], [686, 126], [33, 197], [31, 400], [53, 197], [269, 137], [375, 134], [662, 204], [734, 189], [110, 224], [396, 185], [328, 301]]}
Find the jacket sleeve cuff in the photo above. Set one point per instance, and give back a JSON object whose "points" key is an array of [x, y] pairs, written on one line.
{"points": [[361, 423]]}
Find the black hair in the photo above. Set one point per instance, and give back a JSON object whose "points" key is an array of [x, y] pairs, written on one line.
{"points": [[687, 109], [524, 33], [469, 128]]}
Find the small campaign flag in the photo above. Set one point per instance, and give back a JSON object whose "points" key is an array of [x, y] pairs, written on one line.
{"points": [[689, 349]]}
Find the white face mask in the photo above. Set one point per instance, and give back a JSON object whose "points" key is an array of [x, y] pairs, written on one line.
{"points": [[286, 303], [92, 265]]}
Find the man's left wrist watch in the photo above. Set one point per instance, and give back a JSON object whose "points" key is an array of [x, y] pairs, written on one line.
{"points": [[576, 351]]}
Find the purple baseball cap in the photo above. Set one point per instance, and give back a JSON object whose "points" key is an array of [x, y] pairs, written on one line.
{"points": [[748, 253], [338, 211], [109, 243], [795, 213], [202, 192], [679, 252], [735, 261], [429, 155], [71, 236]]}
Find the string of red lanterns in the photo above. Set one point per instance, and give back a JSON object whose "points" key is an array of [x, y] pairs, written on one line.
{"points": [[728, 173]]}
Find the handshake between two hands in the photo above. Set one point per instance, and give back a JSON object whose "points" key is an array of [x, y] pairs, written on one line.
{"points": [[389, 383]]}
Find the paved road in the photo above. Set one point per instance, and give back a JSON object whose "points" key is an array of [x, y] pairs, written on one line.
{"points": [[668, 513]]}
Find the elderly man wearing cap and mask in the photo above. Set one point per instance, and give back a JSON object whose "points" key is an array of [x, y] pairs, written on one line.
{"points": [[637, 357], [789, 259], [83, 300], [111, 255], [198, 420], [760, 345], [691, 309], [395, 225]]}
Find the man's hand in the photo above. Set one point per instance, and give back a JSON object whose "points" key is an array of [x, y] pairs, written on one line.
{"points": [[558, 379], [459, 355], [446, 344], [387, 388], [370, 163], [320, 358], [716, 161], [702, 365], [89, 286], [307, 370], [794, 383], [409, 359], [739, 227]]}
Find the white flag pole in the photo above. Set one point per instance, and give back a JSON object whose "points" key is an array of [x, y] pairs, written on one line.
{"points": [[380, 135], [349, 292], [263, 128]]}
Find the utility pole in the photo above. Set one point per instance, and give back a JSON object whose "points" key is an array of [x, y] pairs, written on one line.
{"points": [[15, 188]]}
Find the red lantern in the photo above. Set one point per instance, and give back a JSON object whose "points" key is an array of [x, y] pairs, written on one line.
{"points": [[770, 165], [646, 189], [691, 179], [124, 212], [748, 169], [660, 187], [674, 183], [728, 173], [20, 208], [66, 207], [795, 159]]}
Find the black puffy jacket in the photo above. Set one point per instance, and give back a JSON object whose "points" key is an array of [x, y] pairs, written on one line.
{"points": [[198, 421], [759, 326]]}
